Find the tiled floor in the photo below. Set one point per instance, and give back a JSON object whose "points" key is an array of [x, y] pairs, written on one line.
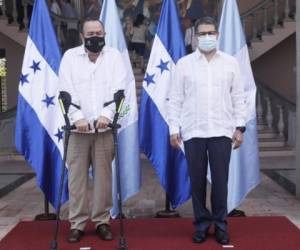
{"points": [[25, 202]]}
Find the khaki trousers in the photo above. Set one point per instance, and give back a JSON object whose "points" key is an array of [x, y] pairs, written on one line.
{"points": [[85, 150]]}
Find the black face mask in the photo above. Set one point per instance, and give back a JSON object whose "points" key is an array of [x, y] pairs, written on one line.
{"points": [[94, 44]]}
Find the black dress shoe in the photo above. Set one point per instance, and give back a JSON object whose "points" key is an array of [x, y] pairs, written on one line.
{"points": [[104, 232], [75, 235], [222, 237], [200, 236]]}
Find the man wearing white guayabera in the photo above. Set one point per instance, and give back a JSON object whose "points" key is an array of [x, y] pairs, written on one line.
{"points": [[91, 73], [207, 112]]}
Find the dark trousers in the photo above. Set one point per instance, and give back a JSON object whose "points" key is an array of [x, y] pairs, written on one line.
{"points": [[199, 152]]}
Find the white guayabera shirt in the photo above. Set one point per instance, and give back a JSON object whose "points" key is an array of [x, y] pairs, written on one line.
{"points": [[92, 84], [207, 99]]}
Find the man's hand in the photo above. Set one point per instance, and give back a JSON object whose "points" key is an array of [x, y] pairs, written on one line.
{"points": [[237, 139], [82, 125], [102, 122], [175, 140]]}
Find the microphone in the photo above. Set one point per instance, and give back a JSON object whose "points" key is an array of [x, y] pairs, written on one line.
{"points": [[66, 101], [118, 97]]}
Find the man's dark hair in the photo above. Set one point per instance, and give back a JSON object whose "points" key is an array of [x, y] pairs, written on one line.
{"points": [[89, 19], [206, 20]]}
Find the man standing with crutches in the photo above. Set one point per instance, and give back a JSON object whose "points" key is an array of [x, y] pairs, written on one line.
{"points": [[91, 73]]}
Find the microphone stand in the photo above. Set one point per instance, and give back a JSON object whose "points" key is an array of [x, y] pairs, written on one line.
{"points": [[114, 128], [67, 131]]}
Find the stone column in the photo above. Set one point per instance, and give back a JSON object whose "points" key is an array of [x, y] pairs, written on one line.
{"points": [[298, 101]]}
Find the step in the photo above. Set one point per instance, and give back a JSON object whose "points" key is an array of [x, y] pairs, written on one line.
{"points": [[139, 78], [287, 163], [139, 81], [139, 84], [137, 71], [266, 135], [276, 151], [265, 129], [262, 127], [138, 92], [10, 155], [141, 74], [271, 142]]}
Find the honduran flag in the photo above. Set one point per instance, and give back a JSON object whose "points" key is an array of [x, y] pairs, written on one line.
{"points": [[169, 163], [129, 153], [38, 134], [244, 164]]}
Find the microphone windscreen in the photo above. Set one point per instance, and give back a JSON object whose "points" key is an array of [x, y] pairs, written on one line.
{"points": [[118, 96], [66, 99]]}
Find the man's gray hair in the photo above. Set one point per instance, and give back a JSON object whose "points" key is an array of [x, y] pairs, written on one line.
{"points": [[90, 19]]}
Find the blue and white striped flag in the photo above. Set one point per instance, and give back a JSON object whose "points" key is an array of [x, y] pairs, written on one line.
{"points": [[244, 165], [129, 154], [39, 118], [169, 163]]}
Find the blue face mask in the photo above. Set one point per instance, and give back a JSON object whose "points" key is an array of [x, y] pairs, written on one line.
{"points": [[207, 43]]}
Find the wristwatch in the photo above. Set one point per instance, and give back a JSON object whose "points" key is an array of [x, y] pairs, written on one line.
{"points": [[241, 129]]}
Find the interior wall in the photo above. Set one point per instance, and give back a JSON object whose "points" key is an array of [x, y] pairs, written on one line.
{"points": [[245, 5], [277, 68]]}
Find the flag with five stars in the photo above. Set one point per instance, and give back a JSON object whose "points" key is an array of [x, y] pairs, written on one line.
{"points": [[169, 163], [38, 134]]}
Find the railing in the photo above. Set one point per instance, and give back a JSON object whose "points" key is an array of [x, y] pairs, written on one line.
{"points": [[259, 20], [67, 29], [266, 15], [276, 113], [7, 130]]}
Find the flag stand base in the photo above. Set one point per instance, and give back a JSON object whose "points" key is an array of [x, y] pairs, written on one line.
{"points": [[46, 215], [43, 217], [237, 213], [167, 213]]}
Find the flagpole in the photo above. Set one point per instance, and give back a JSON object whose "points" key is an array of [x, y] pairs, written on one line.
{"points": [[168, 212], [56, 228], [46, 215]]}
